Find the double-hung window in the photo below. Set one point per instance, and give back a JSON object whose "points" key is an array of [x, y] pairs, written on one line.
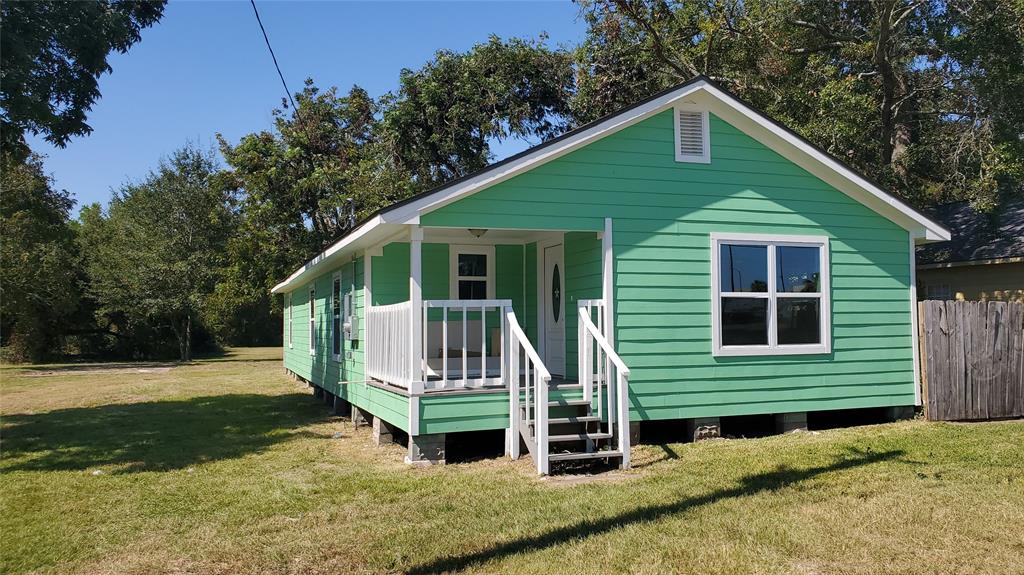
{"points": [[770, 294], [472, 272], [312, 321], [336, 317]]}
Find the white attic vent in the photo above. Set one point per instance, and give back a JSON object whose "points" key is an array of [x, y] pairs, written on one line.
{"points": [[692, 138]]}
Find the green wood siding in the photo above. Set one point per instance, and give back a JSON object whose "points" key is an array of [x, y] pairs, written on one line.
{"points": [[528, 321], [582, 281], [663, 212], [343, 378]]}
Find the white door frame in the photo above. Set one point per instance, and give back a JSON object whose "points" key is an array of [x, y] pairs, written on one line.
{"points": [[541, 327]]}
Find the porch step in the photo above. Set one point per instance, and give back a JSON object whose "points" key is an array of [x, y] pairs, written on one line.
{"points": [[568, 402], [573, 419], [584, 455], [578, 436]]}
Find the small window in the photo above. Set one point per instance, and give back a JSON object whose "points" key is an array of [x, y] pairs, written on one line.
{"points": [[312, 321], [939, 291], [692, 135], [771, 295], [472, 272], [336, 317]]}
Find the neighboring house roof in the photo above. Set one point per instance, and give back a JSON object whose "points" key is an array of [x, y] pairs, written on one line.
{"points": [[385, 223], [976, 236]]}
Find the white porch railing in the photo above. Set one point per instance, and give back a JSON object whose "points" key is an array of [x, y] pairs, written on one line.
{"points": [[528, 410], [387, 347], [462, 349], [604, 375], [463, 344]]}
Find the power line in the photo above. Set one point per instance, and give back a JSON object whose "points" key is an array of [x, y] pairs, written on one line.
{"points": [[267, 40]]}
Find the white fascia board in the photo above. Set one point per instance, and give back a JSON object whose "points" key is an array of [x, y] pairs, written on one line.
{"points": [[823, 166], [367, 231], [410, 213]]}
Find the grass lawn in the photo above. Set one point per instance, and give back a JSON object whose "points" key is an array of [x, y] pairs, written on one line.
{"points": [[227, 466]]}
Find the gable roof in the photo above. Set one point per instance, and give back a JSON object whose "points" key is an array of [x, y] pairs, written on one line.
{"points": [[700, 90], [977, 236]]}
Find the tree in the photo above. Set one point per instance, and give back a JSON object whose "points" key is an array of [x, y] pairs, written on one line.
{"points": [[39, 289], [922, 95], [155, 257], [441, 122], [52, 55]]}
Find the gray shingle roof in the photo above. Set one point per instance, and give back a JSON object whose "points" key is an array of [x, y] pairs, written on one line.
{"points": [[976, 236]]}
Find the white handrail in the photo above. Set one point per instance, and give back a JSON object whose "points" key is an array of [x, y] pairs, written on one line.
{"points": [[521, 348], [617, 397], [588, 324]]}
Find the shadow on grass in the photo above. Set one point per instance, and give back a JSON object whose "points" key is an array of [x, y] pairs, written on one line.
{"points": [[154, 436], [749, 485]]}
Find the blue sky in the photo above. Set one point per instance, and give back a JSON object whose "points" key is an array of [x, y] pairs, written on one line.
{"points": [[204, 69]]}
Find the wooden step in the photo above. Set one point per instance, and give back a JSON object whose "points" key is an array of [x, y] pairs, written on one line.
{"points": [[581, 436], [574, 419], [568, 403], [583, 455]]}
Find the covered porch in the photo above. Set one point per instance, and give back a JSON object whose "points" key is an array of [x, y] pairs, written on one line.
{"points": [[438, 302], [519, 312]]}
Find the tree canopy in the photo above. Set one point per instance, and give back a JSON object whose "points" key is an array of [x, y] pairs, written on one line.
{"points": [[155, 256], [925, 96], [52, 55]]}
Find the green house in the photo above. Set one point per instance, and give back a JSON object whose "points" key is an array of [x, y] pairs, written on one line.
{"points": [[683, 259]]}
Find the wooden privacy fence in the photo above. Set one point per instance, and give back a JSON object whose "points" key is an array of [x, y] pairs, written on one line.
{"points": [[972, 356]]}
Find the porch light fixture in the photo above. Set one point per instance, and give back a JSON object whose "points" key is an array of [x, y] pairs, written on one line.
{"points": [[477, 232]]}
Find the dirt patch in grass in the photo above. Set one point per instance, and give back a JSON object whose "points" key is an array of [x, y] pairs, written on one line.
{"points": [[100, 369]]}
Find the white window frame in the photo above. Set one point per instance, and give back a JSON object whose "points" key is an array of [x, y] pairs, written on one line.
{"points": [[290, 321], [773, 347], [312, 321], [705, 157], [453, 282], [336, 334]]}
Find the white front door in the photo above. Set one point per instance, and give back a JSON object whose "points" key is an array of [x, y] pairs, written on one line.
{"points": [[553, 290]]}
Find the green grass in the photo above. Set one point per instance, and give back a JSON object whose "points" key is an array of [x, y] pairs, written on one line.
{"points": [[227, 466]]}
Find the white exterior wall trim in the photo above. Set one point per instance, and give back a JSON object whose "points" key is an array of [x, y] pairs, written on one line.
{"points": [[700, 93]]}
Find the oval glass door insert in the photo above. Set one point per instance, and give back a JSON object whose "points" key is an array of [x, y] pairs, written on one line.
{"points": [[556, 293]]}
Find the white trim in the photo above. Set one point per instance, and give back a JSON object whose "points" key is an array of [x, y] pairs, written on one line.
{"points": [[542, 155], [336, 334], [290, 320], [416, 356], [608, 282], [833, 172], [699, 92], [705, 125], [312, 320], [541, 332], [914, 336], [772, 295], [454, 251], [344, 242]]}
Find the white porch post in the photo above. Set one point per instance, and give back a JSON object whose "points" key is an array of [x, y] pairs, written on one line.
{"points": [[416, 303], [608, 281]]}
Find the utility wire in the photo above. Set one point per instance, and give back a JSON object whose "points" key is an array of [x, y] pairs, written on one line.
{"points": [[267, 40]]}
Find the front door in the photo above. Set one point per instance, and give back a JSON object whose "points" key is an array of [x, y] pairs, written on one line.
{"points": [[553, 289]]}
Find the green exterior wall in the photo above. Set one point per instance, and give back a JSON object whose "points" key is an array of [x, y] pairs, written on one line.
{"points": [[663, 213], [342, 378]]}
